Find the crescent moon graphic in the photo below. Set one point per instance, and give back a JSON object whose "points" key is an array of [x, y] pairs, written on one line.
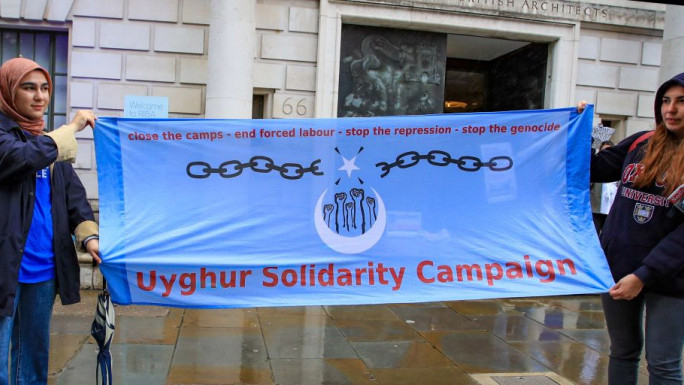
{"points": [[350, 245]]}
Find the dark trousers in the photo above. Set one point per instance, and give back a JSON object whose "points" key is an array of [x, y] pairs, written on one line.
{"points": [[663, 333]]}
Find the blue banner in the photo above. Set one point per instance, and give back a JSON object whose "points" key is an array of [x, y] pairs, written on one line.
{"points": [[243, 213]]}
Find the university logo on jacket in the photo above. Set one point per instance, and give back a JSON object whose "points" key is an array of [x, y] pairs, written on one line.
{"points": [[642, 212]]}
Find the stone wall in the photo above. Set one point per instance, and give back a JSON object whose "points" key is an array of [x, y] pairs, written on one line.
{"points": [[618, 72], [135, 47], [286, 55]]}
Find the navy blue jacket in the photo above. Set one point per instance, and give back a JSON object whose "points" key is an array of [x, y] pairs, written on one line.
{"points": [[639, 236], [21, 156]]}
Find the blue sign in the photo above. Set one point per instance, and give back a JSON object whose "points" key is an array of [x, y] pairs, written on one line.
{"points": [[146, 107], [243, 213]]}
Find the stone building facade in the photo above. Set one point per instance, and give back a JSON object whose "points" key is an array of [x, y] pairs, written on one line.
{"points": [[287, 52]]}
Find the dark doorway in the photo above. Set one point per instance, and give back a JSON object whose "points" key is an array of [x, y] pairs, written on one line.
{"points": [[515, 80], [466, 85]]}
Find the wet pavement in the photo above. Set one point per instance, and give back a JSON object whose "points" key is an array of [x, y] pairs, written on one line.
{"points": [[536, 341]]}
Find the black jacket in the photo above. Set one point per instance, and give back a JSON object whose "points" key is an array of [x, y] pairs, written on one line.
{"points": [[21, 156], [643, 234]]}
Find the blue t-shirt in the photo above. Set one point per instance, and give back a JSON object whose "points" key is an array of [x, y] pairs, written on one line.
{"points": [[38, 263]]}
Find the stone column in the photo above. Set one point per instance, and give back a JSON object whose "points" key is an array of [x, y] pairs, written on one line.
{"points": [[232, 38], [672, 55]]}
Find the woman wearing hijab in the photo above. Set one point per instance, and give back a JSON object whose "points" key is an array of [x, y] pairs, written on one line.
{"points": [[42, 203], [643, 239]]}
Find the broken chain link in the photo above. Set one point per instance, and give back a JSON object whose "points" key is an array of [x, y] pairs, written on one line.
{"points": [[442, 158], [258, 163]]}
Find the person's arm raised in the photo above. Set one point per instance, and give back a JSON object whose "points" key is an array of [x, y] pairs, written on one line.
{"points": [[65, 136]]}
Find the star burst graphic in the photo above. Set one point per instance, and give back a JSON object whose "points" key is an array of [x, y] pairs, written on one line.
{"points": [[349, 165]]}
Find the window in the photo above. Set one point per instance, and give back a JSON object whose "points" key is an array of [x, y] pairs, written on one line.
{"points": [[258, 106], [617, 123], [50, 50]]}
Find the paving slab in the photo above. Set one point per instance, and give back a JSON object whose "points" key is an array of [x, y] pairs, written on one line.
{"points": [[535, 341]]}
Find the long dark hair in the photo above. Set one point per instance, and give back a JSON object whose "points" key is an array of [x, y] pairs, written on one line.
{"points": [[663, 161]]}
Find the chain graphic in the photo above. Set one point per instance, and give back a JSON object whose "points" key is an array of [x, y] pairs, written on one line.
{"points": [[258, 163], [442, 158]]}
